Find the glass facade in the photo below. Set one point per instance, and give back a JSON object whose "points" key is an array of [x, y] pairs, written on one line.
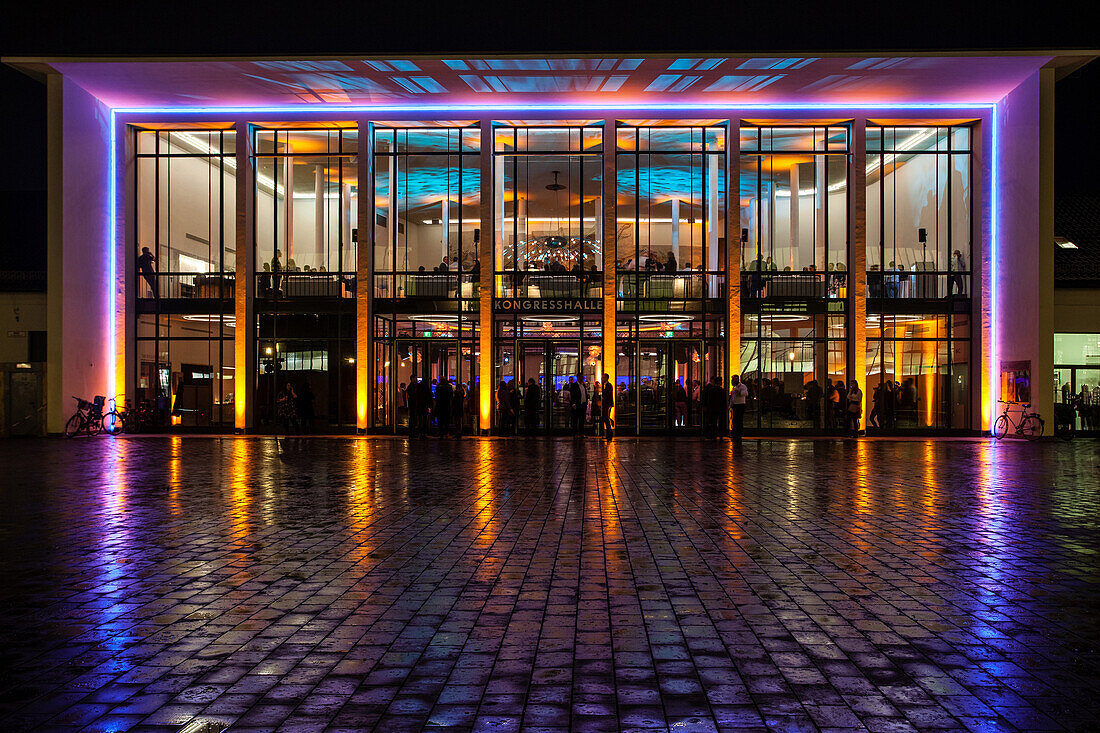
{"points": [[184, 278], [1077, 380], [559, 280], [306, 198], [919, 224]]}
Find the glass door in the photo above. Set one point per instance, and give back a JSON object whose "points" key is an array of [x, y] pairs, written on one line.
{"points": [[652, 385], [531, 365], [565, 362], [422, 360]]}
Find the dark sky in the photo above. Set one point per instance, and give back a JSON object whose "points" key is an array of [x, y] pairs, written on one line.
{"points": [[369, 26]]}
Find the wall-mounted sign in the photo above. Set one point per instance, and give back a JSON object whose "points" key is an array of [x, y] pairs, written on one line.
{"points": [[17, 334], [548, 305]]}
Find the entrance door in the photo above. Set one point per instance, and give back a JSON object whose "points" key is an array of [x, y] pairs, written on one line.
{"points": [[662, 385], [421, 359]]}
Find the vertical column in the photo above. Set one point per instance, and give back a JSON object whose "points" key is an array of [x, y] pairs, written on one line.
{"points": [[1042, 373], [610, 244], [981, 237], [712, 224], [244, 351], [288, 206], [319, 215], [487, 246], [733, 250], [676, 232], [857, 259], [794, 184], [365, 378], [57, 402], [445, 225]]}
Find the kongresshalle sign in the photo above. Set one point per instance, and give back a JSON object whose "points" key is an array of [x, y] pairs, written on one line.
{"points": [[548, 305]]}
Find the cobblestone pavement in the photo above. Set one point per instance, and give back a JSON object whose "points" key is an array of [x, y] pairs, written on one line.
{"points": [[338, 585]]}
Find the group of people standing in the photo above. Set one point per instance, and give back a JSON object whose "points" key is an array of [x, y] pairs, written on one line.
{"points": [[892, 400], [588, 404], [440, 404]]}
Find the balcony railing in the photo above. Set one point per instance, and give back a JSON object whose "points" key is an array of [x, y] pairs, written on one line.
{"points": [[787, 284], [917, 284], [189, 285], [549, 285], [427, 285], [670, 286], [281, 285]]}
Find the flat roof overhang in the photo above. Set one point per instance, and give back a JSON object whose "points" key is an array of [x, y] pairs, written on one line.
{"points": [[599, 82]]}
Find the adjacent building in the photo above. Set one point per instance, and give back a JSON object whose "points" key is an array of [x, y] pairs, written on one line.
{"points": [[223, 230]]}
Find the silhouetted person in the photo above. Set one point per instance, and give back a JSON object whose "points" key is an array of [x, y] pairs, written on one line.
{"points": [[713, 408], [680, 403], [739, 395], [607, 400], [276, 268], [854, 407], [575, 414], [532, 405], [148, 270], [287, 409], [444, 394]]}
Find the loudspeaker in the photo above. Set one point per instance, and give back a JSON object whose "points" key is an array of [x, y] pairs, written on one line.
{"points": [[744, 235], [922, 235], [477, 236]]}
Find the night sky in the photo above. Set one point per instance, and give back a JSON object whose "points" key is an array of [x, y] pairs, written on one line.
{"points": [[240, 28]]}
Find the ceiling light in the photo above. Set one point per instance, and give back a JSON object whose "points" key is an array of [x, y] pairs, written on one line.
{"points": [[1064, 243]]}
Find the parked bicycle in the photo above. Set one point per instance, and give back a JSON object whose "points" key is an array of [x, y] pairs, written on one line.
{"points": [[87, 419], [1030, 425], [117, 421]]}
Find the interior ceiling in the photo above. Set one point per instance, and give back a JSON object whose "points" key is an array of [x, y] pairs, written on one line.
{"points": [[723, 80]]}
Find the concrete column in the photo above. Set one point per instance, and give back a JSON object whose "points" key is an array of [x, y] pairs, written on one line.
{"points": [[57, 402], [288, 205], [319, 213], [857, 261], [676, 231], [821, 203], [489, 245], [733, 250], [609, 181], [366, 380], [244, 334], [1042, 373], [794, 216], [445, 220], [982, 371]]}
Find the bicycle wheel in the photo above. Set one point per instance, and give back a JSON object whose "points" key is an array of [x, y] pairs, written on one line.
{"points": [[74, 425], [1032, 427], [1000, 428], [112, 423]]}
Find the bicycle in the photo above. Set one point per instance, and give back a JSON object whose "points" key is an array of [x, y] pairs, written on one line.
{"points": [[87, 419], [116, 421], [1030, 425]]}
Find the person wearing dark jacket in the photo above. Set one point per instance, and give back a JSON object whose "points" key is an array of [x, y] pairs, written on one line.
{"points": [[443, 394], [714, 407], [608, 399], [532, 404], [575, 415]]}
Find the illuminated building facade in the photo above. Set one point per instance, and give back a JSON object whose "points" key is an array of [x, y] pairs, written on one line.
{"points": [[347, 225]]}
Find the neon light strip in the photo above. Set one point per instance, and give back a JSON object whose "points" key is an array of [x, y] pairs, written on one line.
{"points": [[112, 257], [994, 184], [994, 247], [521, 107]]}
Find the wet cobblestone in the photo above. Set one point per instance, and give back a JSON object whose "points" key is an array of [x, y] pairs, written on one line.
{"points": [[342, 585]]}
